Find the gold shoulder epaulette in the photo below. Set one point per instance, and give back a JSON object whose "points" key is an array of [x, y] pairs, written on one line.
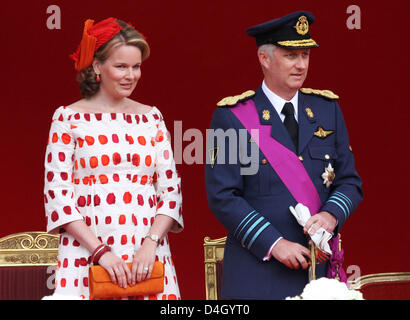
{"points": [[231, 101], [324, 93]]}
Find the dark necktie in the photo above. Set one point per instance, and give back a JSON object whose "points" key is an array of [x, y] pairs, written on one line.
{"points": [[290, 122]]}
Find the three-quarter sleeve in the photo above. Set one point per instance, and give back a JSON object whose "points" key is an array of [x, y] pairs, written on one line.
{"points": [[168, 182], [59, 201]]}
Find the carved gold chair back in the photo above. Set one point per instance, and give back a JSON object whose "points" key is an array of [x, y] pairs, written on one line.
{"points": [[28, 261], [35, 248], [384, 286]]}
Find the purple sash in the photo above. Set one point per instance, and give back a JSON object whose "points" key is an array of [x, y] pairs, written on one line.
{"points": [[291, 171]]}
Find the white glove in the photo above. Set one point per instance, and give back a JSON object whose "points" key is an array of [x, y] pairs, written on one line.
{"points": [[321, 237]]}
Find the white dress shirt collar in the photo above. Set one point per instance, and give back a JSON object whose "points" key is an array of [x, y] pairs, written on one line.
{"points": [[279, 102]]}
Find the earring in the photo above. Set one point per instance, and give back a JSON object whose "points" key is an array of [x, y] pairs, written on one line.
{"points": [[98, 79]]}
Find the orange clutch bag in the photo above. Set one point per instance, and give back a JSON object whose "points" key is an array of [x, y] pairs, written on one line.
{"points": [[101, 286]]}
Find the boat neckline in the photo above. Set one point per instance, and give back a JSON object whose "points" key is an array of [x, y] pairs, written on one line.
{"points": [[126, 113]]}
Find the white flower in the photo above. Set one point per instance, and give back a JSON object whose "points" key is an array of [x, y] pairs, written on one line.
{"points": [[327, 289], [328, 176], [354, 295]]}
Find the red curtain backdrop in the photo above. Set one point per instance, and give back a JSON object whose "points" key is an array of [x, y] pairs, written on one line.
{"points": [[200, 54]]}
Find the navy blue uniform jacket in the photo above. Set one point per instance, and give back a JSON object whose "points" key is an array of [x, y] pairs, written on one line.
{"points": [[255, 208]]}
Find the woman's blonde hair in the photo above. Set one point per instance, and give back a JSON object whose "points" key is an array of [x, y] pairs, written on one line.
{"points": [[127, 36]]}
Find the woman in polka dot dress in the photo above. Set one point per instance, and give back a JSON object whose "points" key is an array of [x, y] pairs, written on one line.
{"points": [[110, 177]]}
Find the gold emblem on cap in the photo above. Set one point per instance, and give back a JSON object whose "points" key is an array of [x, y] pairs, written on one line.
{"points": [[309, 112], [302, 26], [266, 114], [322, 133]]}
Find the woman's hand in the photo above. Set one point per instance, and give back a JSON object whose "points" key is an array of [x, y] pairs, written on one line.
{"points": [[119, 272], [143, 261], [144, 258]]}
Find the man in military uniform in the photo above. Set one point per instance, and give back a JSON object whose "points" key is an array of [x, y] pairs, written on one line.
{"points": [[304, 157]]}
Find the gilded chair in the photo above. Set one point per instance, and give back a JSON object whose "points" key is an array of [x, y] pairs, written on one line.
{"points": [[28, 261], [384, 286], [214, 254]]}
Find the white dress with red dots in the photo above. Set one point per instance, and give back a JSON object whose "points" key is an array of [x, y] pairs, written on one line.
{"points": [[116, 172]]}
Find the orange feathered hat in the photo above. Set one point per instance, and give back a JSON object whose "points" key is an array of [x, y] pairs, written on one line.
{"points": [[94, 36]]}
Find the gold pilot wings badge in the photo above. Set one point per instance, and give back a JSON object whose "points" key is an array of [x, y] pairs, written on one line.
{"points": [[322, 133]]}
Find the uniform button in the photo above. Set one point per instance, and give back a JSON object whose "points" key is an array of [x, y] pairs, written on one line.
{"points": [[300, 158], [264, 161], [327, 157]]}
